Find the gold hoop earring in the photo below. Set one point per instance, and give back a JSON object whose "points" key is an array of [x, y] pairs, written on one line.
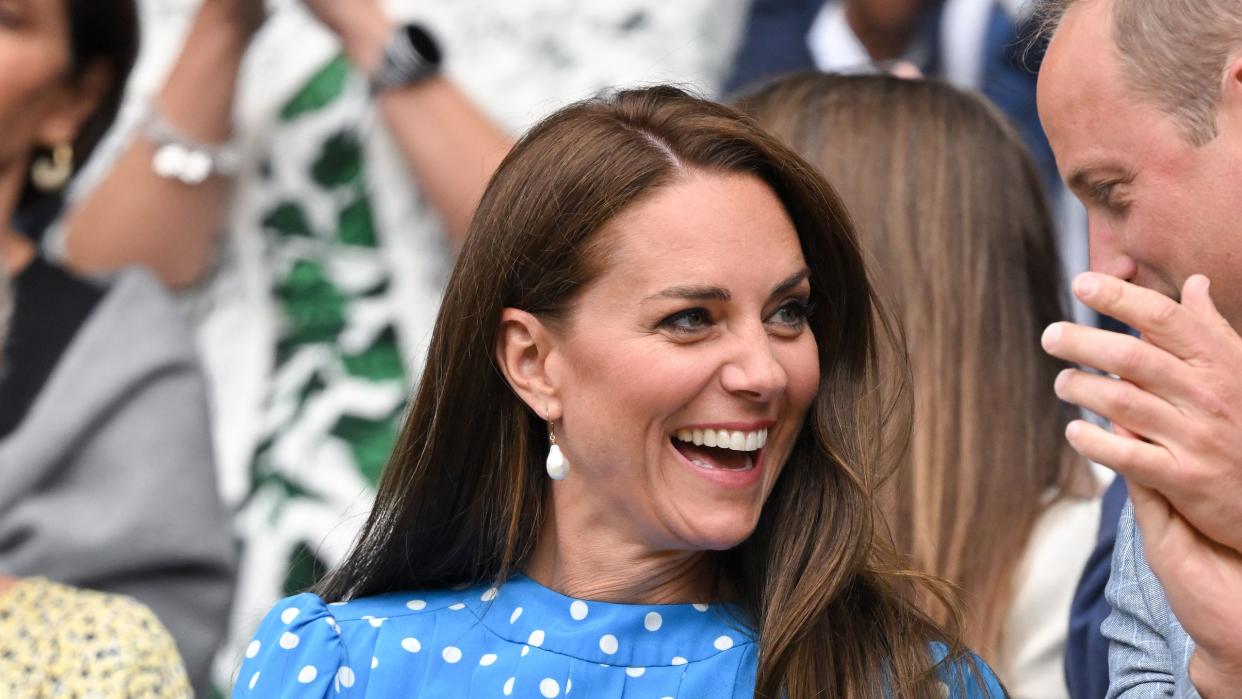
{"points": [[51, 174]]}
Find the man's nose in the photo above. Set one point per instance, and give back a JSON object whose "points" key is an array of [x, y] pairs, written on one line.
{"points": [[1107, 250]]}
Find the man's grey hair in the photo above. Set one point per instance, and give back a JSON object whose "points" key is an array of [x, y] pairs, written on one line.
{"points": [[1173, 52]]}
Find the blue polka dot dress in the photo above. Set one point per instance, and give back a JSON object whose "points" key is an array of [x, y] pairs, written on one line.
{"points": [[521, 640]]}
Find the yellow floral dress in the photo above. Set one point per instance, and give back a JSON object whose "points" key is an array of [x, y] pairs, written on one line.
{"points": [[64, 642]]}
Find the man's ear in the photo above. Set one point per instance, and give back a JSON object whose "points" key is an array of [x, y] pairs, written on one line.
{"points": [[1231, 93], [522, 350]]}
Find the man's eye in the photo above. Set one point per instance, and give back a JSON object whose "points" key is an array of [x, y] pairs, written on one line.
{"points": [[1105, 194], [687, 321]]}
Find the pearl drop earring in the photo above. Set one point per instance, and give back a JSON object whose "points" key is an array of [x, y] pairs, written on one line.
{"points": [[558, 467]]}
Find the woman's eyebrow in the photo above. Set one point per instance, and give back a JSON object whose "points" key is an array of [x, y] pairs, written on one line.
{"points": [[692, 293], [793, 281]]}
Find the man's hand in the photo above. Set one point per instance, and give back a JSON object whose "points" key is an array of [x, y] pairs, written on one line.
{"points": [[1178, 397], [1202, 580]]}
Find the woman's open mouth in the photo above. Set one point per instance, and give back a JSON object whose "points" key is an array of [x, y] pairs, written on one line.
{"points": [[721, 450]]}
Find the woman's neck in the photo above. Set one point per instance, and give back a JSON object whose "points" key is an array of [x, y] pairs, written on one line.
{"points": [[599, 564]]}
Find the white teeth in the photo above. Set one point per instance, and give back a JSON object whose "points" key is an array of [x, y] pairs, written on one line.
{"points": [[725, 439]]}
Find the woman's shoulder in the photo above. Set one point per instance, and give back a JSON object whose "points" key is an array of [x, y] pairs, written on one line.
{"points": [[322, 647], [965, 675]]}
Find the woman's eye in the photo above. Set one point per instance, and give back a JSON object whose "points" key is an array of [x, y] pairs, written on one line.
{"points": [[688, 321], [793, 313]]}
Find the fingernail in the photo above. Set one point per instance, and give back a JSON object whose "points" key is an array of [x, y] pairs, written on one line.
{"points": [[1051, 336], [1060, 381], [1086, 285], [1071, 430]]}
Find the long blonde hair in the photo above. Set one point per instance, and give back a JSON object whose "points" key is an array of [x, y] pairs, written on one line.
{"points": [[951, 212]]}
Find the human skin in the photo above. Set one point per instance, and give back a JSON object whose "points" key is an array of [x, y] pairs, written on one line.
{"points": [[1165, 221], [38, 106], [652, 347]]}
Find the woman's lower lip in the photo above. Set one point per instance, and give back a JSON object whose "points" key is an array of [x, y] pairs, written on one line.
{"points": [[729, 478]]}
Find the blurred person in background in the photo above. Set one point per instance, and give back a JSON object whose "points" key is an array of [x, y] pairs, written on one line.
{"points": [[59, 640], [950, 209], [263, 166], [106, 472]]}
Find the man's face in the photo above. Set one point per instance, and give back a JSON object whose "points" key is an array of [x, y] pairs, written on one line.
{"points": [[1159, 207]]}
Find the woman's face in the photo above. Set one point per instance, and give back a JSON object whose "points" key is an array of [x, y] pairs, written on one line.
{"points": [[38, 108], [684, 372]]}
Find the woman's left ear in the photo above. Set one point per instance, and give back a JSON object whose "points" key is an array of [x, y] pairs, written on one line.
{"points": [[523, 348], [77, 101]]}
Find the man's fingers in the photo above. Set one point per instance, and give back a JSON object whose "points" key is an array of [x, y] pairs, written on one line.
{"points": [[1130, 358], [1120, 402], [1140, 462], [1163, 321]]}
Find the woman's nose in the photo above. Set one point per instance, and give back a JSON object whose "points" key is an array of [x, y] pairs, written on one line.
{"points": [[754, 371]]}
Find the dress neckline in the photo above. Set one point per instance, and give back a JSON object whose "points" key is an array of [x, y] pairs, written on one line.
{"points": [[609, 633]]}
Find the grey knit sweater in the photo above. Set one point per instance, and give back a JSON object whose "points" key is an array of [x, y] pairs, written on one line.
{"points": [[108, 481]]}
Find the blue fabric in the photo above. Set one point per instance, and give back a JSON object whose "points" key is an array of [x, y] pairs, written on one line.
{"points": [[522, 640], [774, 42], [1150, 652], [1086, 649]]}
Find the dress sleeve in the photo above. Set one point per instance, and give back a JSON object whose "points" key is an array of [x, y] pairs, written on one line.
{"points": [[297, 652], [968, 677]]}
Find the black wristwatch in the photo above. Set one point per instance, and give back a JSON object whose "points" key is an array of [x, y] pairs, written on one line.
{"points": [[411, 55]]}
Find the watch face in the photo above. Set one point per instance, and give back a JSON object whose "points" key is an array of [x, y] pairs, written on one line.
{"points": [[423, 43]]}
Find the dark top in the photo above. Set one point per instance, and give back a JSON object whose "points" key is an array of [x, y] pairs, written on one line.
{"points": [[51, 306], [1086, 648]]}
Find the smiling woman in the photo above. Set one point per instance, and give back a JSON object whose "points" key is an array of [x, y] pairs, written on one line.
{"points": [[680, 300]]}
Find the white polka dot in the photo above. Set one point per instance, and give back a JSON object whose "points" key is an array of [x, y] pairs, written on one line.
{"points": [[608, 643], [416, 605], [487, 659], [376, 621], [635, 671], [451, 654], [509, 686], [345, 676], [549, 688], [308, 674], [654, 621], [525, 650], [536, 638], [374, 662], [679, 660], [337, 604], [944, 690], [411, 644], [723, 643], [332, 624], [253, 649], [457, 607], [514, 616], [289, 641], [578, 610], [289, 615], [254, 679], [569, 684], [490, 594], [700, 607]]}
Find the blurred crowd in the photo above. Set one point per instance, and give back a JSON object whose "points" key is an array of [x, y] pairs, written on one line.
{"points": [[229, 226]]}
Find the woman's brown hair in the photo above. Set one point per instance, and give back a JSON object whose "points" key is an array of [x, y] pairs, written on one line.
{"points": [[463, 497], [952, 213]]}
